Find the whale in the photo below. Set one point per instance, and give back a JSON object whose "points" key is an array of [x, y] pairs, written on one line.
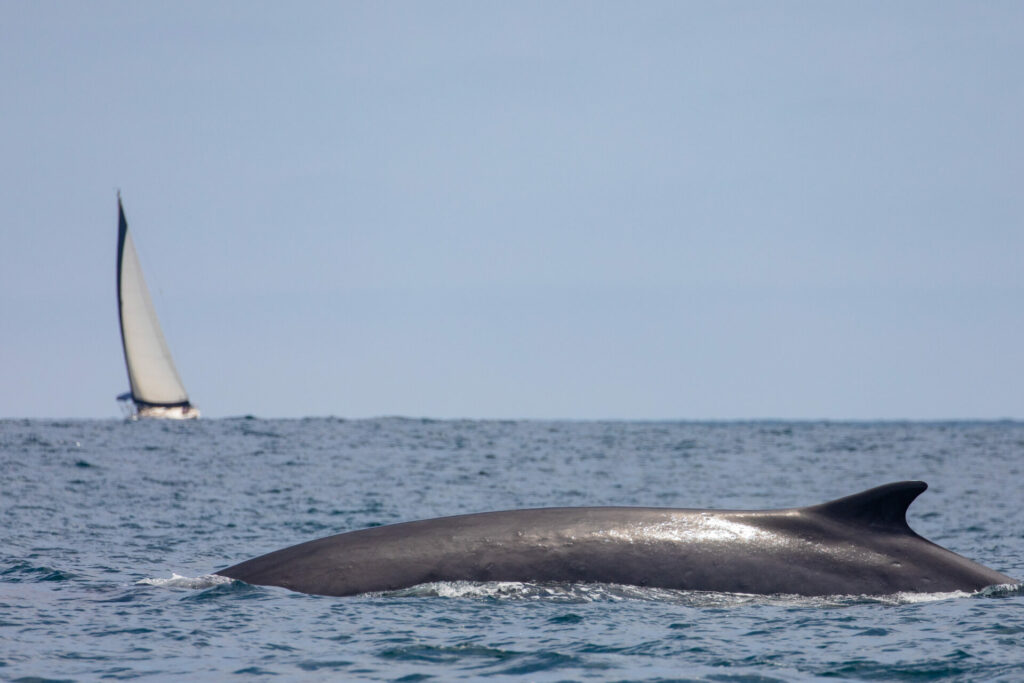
{"points": [[856, 545]]}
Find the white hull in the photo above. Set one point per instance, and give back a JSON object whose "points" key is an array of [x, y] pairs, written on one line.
{"points": [[168, 413]]}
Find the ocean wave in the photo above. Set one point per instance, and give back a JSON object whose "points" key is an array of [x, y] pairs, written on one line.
{"points": [[1003, 590], [192, 583], [599, 592]]}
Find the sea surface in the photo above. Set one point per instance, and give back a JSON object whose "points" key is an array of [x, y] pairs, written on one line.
{"points": [[110, 532]]}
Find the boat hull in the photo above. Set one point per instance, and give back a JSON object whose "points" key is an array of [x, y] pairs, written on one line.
{"points": [[167, 412]]}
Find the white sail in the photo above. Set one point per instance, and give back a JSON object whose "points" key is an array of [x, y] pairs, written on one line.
{"points": [[156, 388]]}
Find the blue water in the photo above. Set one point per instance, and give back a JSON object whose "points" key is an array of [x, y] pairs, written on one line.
{"points": [[111, 530]]}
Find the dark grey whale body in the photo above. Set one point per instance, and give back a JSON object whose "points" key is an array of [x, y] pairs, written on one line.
{"points": [[858, 545]]}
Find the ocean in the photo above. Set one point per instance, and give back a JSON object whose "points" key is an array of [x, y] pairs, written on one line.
{"points": [[111, 531]]}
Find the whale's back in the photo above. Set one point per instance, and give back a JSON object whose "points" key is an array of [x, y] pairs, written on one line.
{"points": [[859, 544]]}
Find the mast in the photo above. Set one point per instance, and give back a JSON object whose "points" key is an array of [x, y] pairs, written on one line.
{"points": [[122, 232]]}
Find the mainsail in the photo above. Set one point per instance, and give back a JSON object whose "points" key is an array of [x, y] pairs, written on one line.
{"points": [[156, 388]]}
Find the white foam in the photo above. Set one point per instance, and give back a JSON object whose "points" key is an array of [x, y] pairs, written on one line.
{"points": [[1008, 589], [472, 589], [575, 592], [599, 592], [494, 589], [193, 583], [914, 598], [1003, 590]]}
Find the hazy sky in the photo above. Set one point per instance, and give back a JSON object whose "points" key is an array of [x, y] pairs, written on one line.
{"points": [[511, 209]]}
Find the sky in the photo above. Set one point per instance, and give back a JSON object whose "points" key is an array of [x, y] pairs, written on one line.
{"points": [[551, 210]]}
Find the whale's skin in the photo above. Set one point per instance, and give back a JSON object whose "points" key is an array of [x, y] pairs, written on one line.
{"points": [[858, 545]]}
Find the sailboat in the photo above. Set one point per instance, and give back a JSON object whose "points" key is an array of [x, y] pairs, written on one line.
{"points": [[156, 390]]}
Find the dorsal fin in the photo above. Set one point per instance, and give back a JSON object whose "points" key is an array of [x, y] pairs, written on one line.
{"points": [[883, 507]]}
